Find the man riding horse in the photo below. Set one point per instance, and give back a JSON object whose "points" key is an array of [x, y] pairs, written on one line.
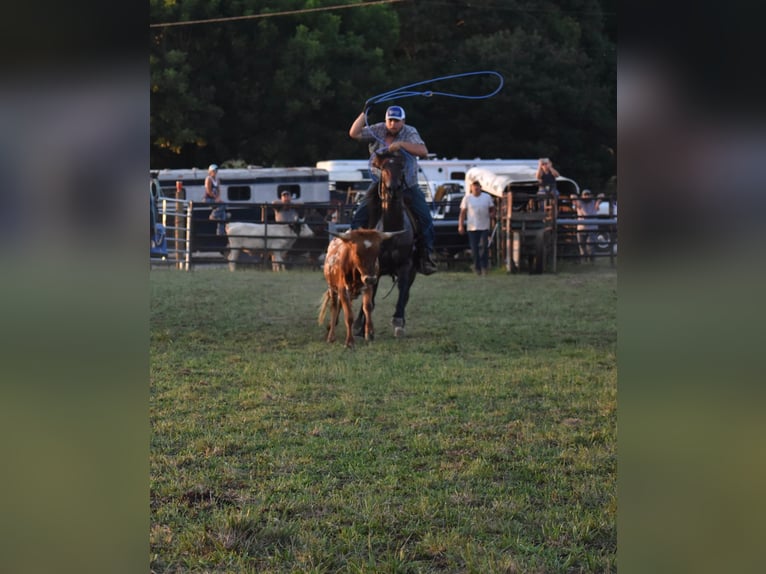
{"points": [[396, 256], [394, 135]]}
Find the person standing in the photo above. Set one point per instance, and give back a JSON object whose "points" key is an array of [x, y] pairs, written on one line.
{"points": [[284, 212], [394, 135], [546, 177], [213, 195], [586, 207], [477, 214]]}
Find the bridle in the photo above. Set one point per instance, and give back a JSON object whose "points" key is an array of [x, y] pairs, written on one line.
{"points": [[387, 192]]}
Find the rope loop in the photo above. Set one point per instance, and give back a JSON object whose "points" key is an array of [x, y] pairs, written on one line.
{"points": [[407, 92]]}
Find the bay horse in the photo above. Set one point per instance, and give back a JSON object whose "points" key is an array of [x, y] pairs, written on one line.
{"points": [[397, 254]]}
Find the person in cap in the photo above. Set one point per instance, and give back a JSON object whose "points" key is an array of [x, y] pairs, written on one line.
{"points": [[586, 207], [213, 195], [283, 208], [546, 176], [212, 191], [395, 135]]}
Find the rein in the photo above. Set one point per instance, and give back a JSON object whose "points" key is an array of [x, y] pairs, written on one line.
{"points": [[387, 197]]}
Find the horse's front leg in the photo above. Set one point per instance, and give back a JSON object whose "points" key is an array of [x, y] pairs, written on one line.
{"points": [[404, 282], [367, 306]]}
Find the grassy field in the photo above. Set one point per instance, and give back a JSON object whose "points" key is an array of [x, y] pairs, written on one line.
{"points": [[484, 442]]}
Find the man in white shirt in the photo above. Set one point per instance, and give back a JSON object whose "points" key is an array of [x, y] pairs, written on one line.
{"points": [[477, 214]]}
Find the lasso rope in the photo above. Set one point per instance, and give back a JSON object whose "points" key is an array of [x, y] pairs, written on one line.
{"points": [[408, 92]]}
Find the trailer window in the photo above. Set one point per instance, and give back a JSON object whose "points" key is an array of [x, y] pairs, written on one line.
{"points": [[239, 192], [294, 189]]}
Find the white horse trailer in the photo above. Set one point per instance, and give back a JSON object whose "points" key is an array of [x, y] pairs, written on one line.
{"points": [[434, 169], [349, 178], [500, 178], [251, 185], [432, 172], [248, 195]]}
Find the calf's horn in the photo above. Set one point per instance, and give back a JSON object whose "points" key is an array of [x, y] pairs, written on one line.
{"points": [[338, 235], [389, 234]]}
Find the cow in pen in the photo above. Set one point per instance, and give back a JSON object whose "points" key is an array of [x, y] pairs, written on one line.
{"points": [[351, 269], [276, 238]]}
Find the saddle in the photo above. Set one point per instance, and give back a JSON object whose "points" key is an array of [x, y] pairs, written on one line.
{"points": [[413, 220]]}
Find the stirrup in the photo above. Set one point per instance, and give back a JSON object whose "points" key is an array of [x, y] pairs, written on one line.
{"points": [[427, 264]]}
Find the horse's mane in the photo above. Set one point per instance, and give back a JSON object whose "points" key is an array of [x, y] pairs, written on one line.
{"points": [[380, 161]]}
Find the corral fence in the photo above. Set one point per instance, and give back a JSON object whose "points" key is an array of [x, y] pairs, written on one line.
{"points": [[603, 238], [175, 215], [532, 233], [536, 230]]}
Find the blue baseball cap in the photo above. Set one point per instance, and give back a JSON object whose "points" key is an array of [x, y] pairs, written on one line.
{"points": [[395, 113]]}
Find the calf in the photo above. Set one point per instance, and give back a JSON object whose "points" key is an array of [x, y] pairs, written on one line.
{"points": [[277, 238], [351, 269]]}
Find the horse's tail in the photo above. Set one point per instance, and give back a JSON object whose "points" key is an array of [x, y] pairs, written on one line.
{"points": [[323, 306]]}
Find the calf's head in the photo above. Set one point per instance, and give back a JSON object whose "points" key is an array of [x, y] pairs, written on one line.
{"points": [[364, 248]]}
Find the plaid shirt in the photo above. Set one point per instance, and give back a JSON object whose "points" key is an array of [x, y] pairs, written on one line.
{"points": [[376, 136]]}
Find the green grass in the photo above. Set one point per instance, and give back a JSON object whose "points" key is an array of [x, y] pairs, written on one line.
{"points": [[483, 442]]}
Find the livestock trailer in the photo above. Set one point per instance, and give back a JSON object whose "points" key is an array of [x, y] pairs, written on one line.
{"points": [[247, 194]]}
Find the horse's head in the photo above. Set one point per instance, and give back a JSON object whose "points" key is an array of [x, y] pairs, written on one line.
{"points": [[391, 166]]}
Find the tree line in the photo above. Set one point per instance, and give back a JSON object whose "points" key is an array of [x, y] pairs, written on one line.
{"points": [[282, 87]]}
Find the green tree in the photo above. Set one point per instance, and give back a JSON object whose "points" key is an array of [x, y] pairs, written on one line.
{"points": [[558, 64], [274, 90], [283, 90], [184, 110]]}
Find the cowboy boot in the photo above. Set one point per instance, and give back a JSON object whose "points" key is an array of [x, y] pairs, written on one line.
{"points": [[427, 263]]}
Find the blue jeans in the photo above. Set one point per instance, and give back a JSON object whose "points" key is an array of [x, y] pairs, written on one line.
{"points": [[218, 213], [585, 240], [417, 203], [479, 248]]}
